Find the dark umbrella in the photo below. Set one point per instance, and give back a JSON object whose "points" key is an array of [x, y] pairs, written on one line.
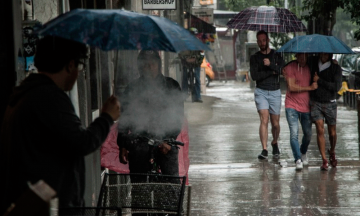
{"points": [[267, 18], [121, 30], [315, 43]]}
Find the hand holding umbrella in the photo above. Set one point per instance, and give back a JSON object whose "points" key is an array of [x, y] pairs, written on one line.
{"points": [[266, 62], [112, 107]]}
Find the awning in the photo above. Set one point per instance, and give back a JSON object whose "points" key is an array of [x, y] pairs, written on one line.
{"points": [[200, 25]]}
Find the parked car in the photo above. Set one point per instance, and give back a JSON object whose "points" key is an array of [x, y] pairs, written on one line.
{"points": [[354, 76], [210, 75], [347, 63]]}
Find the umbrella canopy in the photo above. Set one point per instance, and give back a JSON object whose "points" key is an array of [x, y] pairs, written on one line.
{"points": [[266, 18], [121, 30], [315, 43]]}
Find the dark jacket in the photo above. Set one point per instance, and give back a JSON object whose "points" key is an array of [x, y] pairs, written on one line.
{"points": [[329, 82], [153, 110], [266, 77], [42, 138]]}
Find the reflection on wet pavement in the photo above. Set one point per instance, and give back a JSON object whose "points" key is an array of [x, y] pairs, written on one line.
{"points": [[228, 179]]}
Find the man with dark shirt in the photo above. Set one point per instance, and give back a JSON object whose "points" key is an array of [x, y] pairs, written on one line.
{"points": [[327, 75], [153, 107], [41, 137], [265, 67]]}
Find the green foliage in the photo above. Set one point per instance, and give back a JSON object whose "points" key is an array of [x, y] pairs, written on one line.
{"points": [[320, 7], [353, 8], [279, 39], [345, 28], [238, 5]]}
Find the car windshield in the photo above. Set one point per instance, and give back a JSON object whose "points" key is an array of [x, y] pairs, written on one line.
{"points": [[349, 61]]}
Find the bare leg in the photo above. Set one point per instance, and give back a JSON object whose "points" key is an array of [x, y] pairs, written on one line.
{"points": [[320, 137], [263, 130], [332, 137], [275, 127]]}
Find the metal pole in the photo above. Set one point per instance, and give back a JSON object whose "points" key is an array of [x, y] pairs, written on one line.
{"points": [[189, 200], [358, 110], [115, 71]]}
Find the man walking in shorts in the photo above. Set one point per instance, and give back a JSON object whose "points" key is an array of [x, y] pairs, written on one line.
{"points": [[323, 103], [265, 67]]}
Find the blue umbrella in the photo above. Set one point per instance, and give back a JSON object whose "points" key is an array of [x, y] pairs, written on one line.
{"points": [[315, 43], [121, 30]]}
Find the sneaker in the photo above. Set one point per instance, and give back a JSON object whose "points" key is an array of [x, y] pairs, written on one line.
{"points": [[304, 159], [198, 101], [263, 155], [332, 159], [325, 165], [275, 151], [299, 165]]}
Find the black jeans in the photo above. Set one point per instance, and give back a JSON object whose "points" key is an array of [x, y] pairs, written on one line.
{"points": [[139, 160], [139, 157]]}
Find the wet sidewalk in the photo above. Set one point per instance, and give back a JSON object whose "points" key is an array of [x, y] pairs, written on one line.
{"points": [[228, 179]]}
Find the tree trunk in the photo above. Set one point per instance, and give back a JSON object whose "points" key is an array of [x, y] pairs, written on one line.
{"points": [[324, 23]]}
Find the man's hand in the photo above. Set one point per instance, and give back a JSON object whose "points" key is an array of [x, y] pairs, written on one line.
{"points": [[123, 156], [283, 72], [112, 107], [164, 148], [314, 85], [266, 62], [316, 77]]}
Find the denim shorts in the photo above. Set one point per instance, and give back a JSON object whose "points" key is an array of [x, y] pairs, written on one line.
{"points": [[269, 100], [321, 110]]}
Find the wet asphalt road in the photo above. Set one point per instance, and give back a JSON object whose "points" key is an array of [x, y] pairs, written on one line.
{"points": [[227, 178]]}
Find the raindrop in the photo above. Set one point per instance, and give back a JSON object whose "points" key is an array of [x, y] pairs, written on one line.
{"points": [[302, 188]]}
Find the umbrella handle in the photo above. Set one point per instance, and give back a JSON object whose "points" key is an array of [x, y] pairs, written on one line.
{"points": [[115, 71], [113, 87]]}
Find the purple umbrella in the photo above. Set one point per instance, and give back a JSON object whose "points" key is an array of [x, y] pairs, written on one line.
{"points": [[267, 18]]}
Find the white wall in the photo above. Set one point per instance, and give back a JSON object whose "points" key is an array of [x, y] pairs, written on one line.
{"points": [[45, 10]]}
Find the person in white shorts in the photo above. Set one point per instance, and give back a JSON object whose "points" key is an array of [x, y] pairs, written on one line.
{"points": [[265, 69]]}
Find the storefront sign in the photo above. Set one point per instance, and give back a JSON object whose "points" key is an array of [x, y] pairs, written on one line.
{"points": [[206, 2], [159, 4], [205, 14]]}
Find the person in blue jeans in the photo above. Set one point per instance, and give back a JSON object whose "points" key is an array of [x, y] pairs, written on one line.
{"points": [[196, 93], [191, 62], [297, 106]]}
